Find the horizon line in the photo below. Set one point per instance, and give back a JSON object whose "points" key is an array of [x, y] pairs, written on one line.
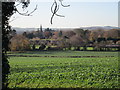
{"points": [[70, 27]]}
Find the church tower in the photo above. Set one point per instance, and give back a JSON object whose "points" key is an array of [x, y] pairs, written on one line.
{"points": [[41, 32], [41, 28]]}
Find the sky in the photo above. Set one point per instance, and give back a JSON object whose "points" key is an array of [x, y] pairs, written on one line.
{"points": [[80, 14]]}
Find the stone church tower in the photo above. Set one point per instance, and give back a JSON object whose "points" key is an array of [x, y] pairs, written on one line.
{"points": [[41, 32], [39, 29]]}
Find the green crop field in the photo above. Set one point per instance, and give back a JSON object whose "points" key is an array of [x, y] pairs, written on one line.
{"points": [[65, 53], [48, 72]]}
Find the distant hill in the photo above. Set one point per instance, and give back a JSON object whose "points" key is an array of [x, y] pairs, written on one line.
{"points": [[100, 27], [21, 30]]}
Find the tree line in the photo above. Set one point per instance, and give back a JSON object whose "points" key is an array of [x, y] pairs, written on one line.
{"points": [[65, 39]]}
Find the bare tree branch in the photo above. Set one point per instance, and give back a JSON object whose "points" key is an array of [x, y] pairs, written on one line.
{"points": [[58, 14], [33, 10], [26, 13], [12, 20], [63, 5], [56, 8]]}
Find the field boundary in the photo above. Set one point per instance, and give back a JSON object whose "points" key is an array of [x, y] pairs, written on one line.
{"points": [[59, 56]]}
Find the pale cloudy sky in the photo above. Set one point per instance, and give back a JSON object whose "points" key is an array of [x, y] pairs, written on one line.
{"points": [[80, 13]]}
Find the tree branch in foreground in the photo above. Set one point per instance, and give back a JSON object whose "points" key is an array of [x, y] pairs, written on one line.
{"points": [[56, 8]]}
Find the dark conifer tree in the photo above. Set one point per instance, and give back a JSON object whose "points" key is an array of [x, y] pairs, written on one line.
{"points": [[7, 11]]}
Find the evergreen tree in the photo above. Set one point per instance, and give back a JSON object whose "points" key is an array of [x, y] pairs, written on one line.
{"points": [[7, 11]]}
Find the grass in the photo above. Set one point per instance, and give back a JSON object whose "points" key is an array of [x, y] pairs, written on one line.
{"points": [[66, 53], [41, 72]]}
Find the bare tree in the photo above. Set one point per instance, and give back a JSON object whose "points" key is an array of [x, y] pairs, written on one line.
{"points": [[76, 41]]}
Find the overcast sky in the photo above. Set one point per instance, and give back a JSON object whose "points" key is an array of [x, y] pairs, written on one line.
{"points": [[79, 14]]}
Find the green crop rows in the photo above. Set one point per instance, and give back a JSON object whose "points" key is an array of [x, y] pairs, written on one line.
{"points": [[45, 72]]}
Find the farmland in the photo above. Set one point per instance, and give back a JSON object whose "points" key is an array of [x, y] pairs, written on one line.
{"points": [[65, 53], [64, 72]]}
